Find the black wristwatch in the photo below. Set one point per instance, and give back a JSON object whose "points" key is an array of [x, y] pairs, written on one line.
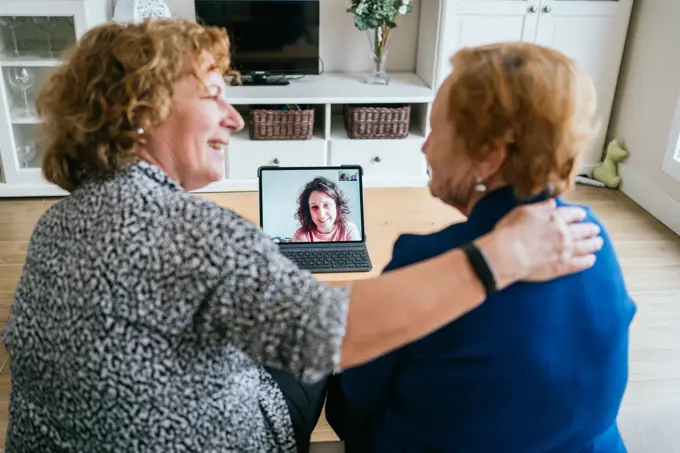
{"points": [[480, 266]]}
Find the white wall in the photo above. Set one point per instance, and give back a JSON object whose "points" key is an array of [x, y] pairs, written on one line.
{"points": [[109, 8], [343, 48], [645, 103]]}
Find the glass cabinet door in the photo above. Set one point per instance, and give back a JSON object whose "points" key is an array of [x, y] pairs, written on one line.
{"points": [[30, 48], [25, 37], [34, 37]]}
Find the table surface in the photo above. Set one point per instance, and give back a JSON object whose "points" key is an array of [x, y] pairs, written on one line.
{"points": [[387, 214]]}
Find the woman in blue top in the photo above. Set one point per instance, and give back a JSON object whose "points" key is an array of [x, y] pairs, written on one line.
{"points": [[538, 368]]}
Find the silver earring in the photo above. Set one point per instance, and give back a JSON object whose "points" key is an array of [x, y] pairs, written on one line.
{"points": [[480, 186], [140, 139]]}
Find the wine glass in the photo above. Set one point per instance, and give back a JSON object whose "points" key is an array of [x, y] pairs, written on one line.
{"points": [[13, 22], [26, 151], [46, 24], [22, 79]]}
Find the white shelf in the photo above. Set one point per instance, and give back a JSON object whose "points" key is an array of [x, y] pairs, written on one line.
{"points": [[29, 61], [15, 114], [225, 185], [335, 88], [241, 136], [251, 185], [30, 190]]}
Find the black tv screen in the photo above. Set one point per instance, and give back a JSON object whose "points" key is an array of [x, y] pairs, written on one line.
{"points": [[267, 36]]}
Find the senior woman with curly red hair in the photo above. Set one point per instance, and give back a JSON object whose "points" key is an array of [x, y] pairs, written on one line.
{"points": [[145, 315]]}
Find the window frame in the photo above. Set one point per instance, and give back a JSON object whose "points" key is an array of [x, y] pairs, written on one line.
{"points": [[671, 159]]}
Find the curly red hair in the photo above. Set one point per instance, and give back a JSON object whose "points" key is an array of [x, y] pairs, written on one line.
{"points": [[535, 99], [117, 79]]}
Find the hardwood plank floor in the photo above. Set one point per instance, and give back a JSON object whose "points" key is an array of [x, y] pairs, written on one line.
{"points": [[648, 251]]}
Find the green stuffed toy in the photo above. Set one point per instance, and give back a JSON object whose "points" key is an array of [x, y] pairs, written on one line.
{"points": [[607, 171]]}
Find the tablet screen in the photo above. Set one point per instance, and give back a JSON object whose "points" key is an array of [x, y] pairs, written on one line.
{"points": [[312, 204]]}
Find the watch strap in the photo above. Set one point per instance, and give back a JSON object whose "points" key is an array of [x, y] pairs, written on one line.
{"points": [[481, 267]]}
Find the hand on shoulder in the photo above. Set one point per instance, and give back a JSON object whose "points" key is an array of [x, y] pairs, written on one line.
{"points": [[540, 242]]}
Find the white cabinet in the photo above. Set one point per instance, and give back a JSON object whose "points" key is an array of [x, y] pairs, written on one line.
{"points": [[33, 33], [468, 23], [387, 163], [245, 157], [592, 32], [400, 161]]}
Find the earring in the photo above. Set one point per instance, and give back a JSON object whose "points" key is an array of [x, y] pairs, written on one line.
{"points": [[140, 133], [480, 186]]}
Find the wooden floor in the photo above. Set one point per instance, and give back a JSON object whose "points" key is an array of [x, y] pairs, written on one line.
{"points": [[649, 254]]}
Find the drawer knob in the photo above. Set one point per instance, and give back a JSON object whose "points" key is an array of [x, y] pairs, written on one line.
{"points": [[276, 161], [532, 9], [377, 159], [547, 9]]}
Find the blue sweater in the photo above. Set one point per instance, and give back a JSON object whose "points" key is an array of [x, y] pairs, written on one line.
{"points": [[537, 368]]}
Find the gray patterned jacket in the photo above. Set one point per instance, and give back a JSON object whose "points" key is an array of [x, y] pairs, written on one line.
{"points": [[143, 317]]}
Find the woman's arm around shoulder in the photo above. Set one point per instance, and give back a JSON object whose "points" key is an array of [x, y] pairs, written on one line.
{"points": [[535, 242], [283, 317], [260, 302]]}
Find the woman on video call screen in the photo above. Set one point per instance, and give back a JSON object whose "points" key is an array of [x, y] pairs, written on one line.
{"points": [[323, 212]]}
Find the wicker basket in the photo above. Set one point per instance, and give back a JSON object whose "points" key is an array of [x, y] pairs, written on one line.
{"points": [[377, 121], [281, 124]]}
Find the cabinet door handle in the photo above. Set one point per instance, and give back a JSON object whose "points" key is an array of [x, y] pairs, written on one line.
{"points": [[532, 9], [547, 9], [276, 161], [377, 159]]}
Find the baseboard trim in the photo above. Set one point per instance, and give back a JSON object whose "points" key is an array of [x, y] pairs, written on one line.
{"points": [[653, 200]]}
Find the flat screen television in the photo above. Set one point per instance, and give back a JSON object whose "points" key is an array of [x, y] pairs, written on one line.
{"points": [[270, 39]]}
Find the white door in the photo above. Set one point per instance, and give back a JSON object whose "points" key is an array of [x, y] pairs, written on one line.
{"points": [[467, 23], [592, 32]]}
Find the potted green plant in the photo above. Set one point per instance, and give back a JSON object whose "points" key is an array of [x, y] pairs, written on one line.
{"points": [[377, 18]]}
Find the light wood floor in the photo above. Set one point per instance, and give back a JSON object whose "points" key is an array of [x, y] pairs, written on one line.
{"points": [[649, 254]]}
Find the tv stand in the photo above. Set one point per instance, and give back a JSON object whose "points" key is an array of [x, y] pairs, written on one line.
{"points": [[264, 80]]}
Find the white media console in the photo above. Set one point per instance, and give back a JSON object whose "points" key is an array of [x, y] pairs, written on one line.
{"points": [[591, 31], [386, 163]]}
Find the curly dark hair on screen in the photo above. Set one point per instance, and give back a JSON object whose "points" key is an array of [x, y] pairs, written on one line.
{"points": [[321, 184]]}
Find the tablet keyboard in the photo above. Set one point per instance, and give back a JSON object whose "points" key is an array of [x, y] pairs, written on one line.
{"points": [[343, 260]]}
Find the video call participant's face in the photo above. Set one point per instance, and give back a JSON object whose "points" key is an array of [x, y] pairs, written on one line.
{"points": [[323, 211]]}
